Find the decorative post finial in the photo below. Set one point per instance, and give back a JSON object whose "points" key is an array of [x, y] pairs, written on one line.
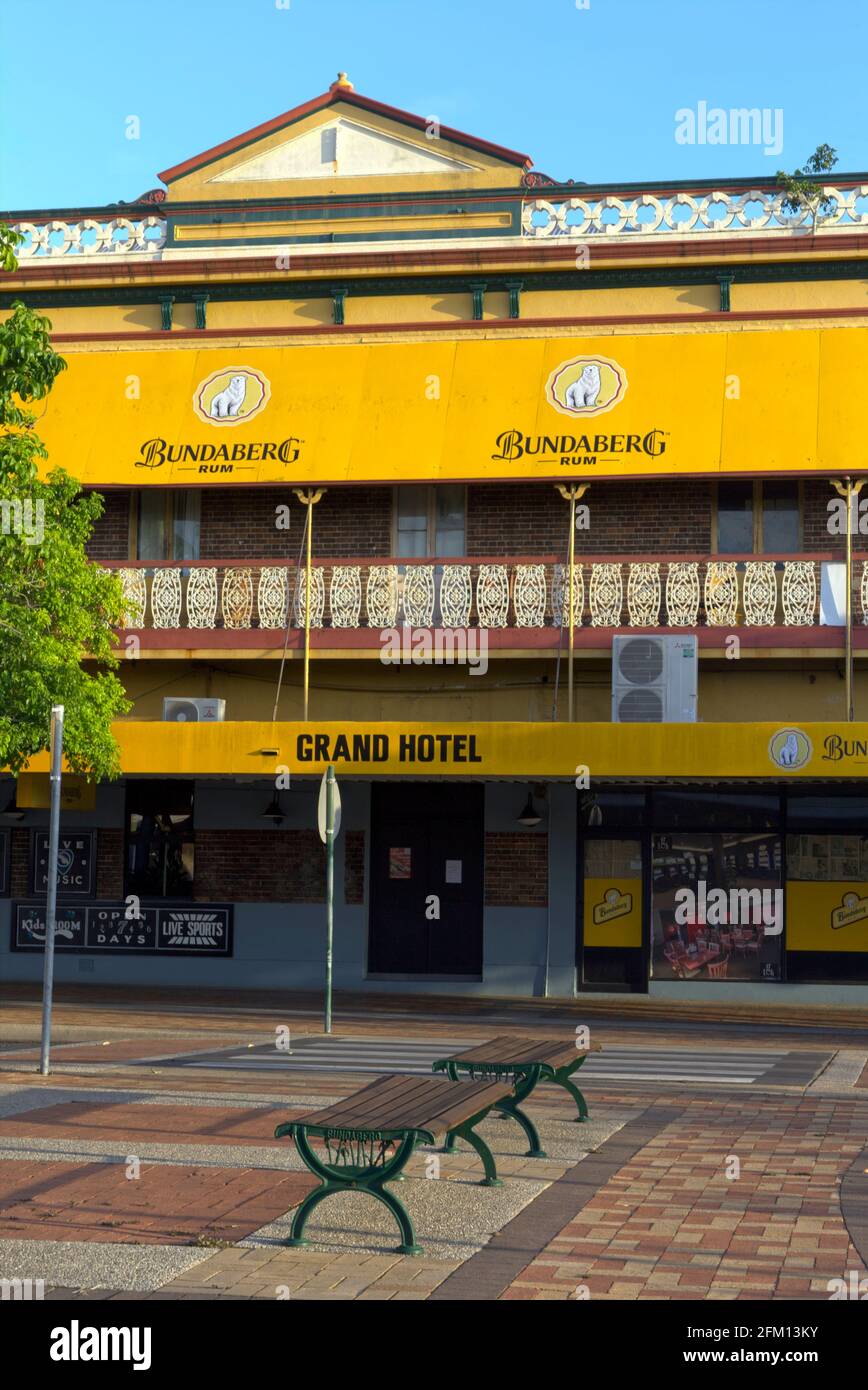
{"points": [[341, 81]]}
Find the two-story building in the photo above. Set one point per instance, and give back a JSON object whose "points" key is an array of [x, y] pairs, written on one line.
{"points": [[376, 408]]}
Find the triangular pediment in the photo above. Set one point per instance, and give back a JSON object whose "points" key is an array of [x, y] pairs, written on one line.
{"points": [[342, 148], [341, 136]]}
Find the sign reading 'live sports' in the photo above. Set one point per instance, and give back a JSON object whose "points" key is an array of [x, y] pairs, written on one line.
{"points": [[180, 929], [756, 401]]}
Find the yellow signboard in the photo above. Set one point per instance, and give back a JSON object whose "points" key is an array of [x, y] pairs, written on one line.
{"points": [[651, 405], [33, 792], [827, 916], [613, 912], [526, 750]]}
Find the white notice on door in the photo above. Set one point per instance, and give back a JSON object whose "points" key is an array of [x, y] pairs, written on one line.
{"points": [[453, 870]]}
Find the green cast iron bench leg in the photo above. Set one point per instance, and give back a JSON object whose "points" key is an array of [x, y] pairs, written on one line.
{"points": [[476, 1141], [369, 1178], [523, 1083], [561, 1077]]}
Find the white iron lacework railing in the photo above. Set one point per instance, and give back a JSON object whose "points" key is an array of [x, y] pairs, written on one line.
{"points": [[636, 593], [91, 236], [686, 214], [676, 214]]}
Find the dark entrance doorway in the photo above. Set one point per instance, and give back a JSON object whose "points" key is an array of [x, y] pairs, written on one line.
{"points": [[426, 841]]}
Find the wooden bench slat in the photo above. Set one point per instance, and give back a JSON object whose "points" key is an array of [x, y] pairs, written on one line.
{"points": [[506, 1049], [435, 1104], [362, 1102]]}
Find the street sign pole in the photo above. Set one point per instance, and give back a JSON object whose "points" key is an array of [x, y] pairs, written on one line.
{"points": [[328, 888], [329, 823], [51, 895]]}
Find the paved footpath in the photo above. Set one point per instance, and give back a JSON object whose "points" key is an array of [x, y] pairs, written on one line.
{"points": [[125, 1176]]}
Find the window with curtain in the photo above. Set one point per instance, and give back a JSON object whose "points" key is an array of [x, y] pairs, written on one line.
{"points": [[762, 517], [430, 521], [168, 524]]}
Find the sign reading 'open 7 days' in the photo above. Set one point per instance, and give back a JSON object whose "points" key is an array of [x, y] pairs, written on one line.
{"points": [[519, 408]]}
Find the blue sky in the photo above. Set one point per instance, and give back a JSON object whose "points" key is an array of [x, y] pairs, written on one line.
{"points": [[591, 93]]}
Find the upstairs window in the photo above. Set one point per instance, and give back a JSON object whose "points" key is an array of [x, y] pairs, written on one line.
{"points": [[430, 521], [167, 524], [758, 518]]}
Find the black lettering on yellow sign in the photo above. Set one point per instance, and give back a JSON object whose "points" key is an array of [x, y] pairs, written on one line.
{"points": [[852, 909], [615, 904], [375, 748]]}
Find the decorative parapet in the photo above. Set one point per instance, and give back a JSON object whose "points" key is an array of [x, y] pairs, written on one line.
{"points": [[687, 214], [114, 236]]}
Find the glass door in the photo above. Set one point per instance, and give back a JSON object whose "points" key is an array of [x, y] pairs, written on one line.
{"points": [[612, 953]]}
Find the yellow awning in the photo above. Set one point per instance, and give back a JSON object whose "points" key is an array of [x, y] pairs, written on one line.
{"points": [[591, 752], [536, 408]]}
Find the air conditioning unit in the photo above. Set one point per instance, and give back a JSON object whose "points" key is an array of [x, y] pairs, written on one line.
{"points": [[654, 680], [193, 711]]}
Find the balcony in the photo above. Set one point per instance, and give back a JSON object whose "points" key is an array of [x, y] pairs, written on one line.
{"points": [[510, 596]]}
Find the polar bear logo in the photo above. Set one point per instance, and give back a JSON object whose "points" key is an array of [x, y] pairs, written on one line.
{"points": [[228, 401], [583, 393], [788, 754]]}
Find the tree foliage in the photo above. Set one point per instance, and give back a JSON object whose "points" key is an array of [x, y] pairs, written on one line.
{"points": [[803, 192], [58, 610]]}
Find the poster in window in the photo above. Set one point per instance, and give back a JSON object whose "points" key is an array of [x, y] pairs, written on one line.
{"points": [[400, 862]]}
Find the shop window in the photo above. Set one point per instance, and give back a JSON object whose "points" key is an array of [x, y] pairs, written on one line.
{"points": [[712, 810], [827, 904], [718, 907], [168, 524], [159, 848], [758, 518], [430, 521], [826, 812]]}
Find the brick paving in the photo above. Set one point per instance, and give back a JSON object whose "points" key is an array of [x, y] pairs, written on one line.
{"points": [[165, 1204], [652, 1214], [671, 1224], [129, 1123]]}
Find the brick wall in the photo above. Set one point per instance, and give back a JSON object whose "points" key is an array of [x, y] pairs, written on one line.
{"points": [[284, 866], [516, 869], [347, 522], [637, 518], [258, 866], [110, 537], [815, 531], [19, 858], [110, 864], [666, 518]]}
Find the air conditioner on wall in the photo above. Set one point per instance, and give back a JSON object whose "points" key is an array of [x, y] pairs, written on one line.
{"points": [[182, 710], [654, 680]]}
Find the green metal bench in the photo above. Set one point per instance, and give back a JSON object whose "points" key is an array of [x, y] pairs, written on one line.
{"points": [[367, 1138], [524, 1062]]}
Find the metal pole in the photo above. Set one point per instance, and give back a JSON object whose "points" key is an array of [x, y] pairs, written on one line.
{"points": [[330, 891], [570, 705], [571, 494], [849, 608], [51, 895], [309, 497], [307, 611]]}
